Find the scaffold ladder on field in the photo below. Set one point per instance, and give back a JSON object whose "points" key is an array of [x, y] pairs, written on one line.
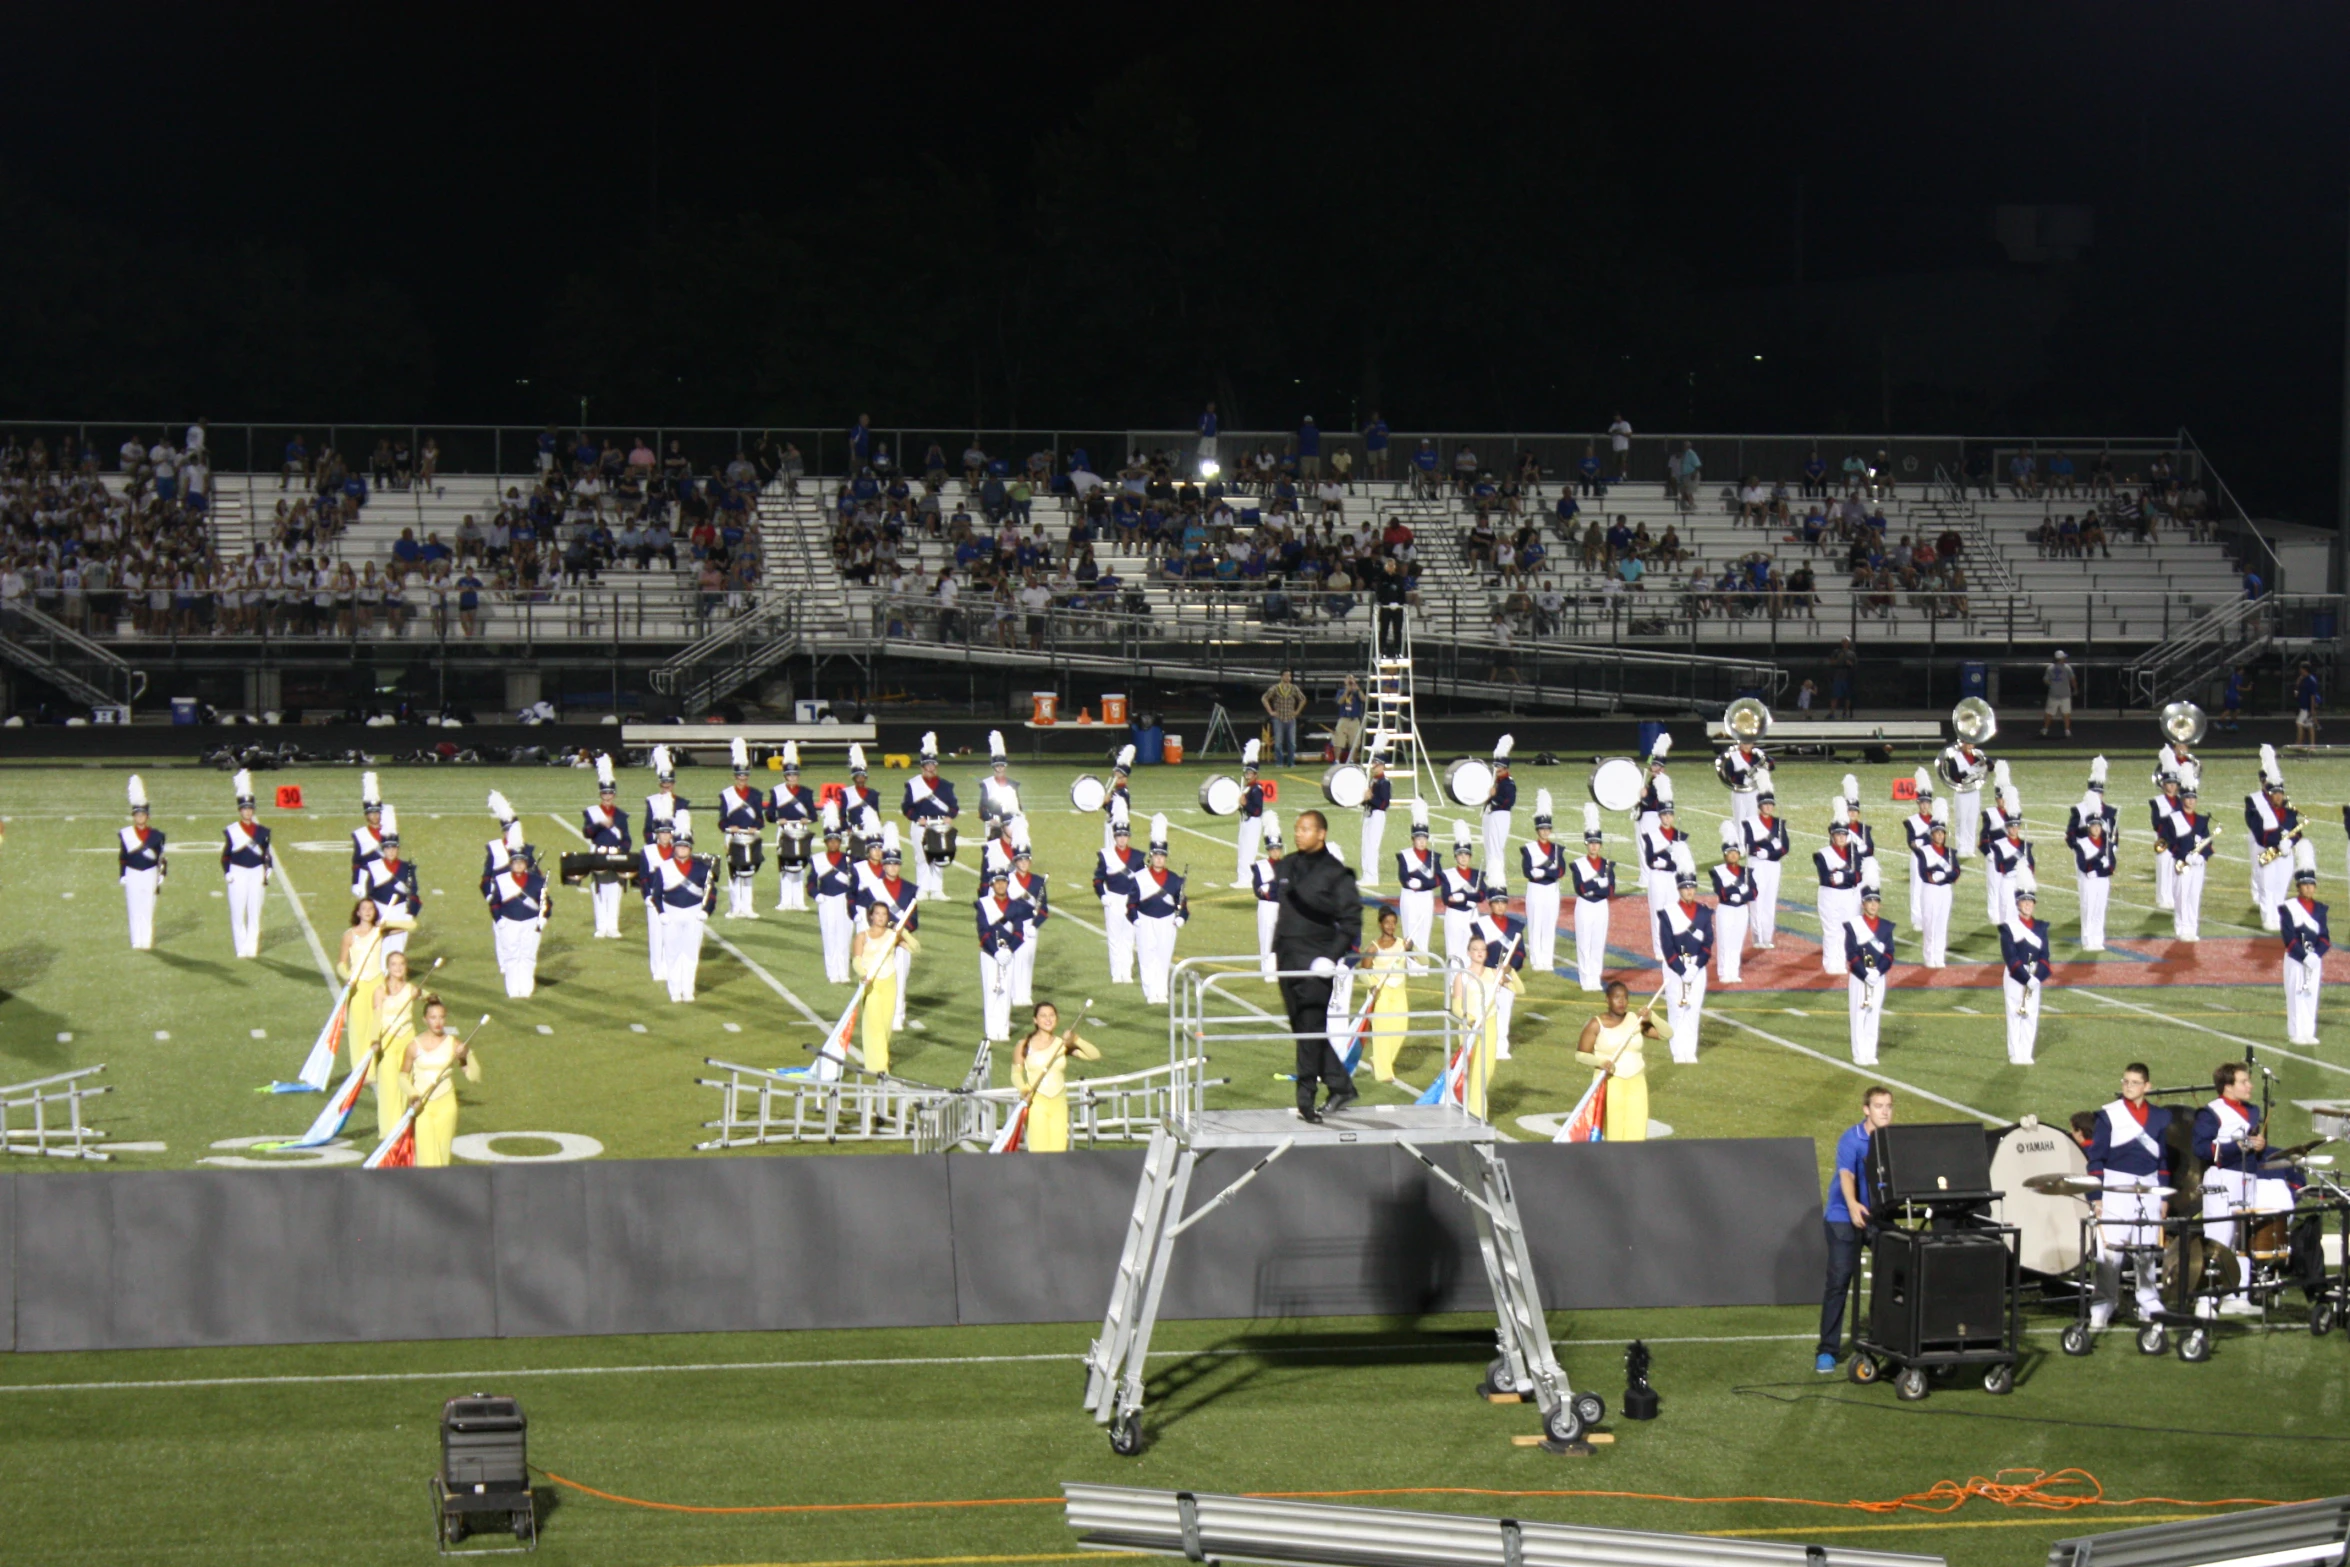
{"points": [[1392, 719]]}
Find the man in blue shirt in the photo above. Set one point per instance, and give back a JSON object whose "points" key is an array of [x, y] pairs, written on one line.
{"points": [[1848, 1218], [1309, 450], [1375, 445]]}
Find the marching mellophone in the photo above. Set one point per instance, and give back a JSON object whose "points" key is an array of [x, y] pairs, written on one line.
{"points": [[1976, 724]]}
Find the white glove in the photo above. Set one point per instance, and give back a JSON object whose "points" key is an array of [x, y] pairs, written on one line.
{"points": [[1322, 968], [1003, 957]]}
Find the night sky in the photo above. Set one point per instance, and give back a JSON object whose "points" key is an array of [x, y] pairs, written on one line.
{"points": [[1471, 218]]}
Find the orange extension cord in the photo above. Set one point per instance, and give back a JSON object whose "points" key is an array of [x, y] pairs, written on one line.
{"points": [[2061, 1491]]}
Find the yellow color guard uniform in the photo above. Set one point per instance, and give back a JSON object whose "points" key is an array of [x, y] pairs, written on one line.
{"points": [[436, 1123], [1619, 1045], [395, 1026], [359, 1014], [1387, 965], [879, 963], [1474, 1001], [1047, 1089]]}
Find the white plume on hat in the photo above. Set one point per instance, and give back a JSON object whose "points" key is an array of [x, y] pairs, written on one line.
{"points": [[1872, 876], [514, 835], [2191, 778], [1248, 752], [2011, 803], [1420, 815], [604, 778], [1663, 747], [831, 818], [243, 784], [2027, 885], [2097, 772], [500, 807], [791, 755], [1763, 784], [1684, 862], [391, 821], [138, 793], [1270, 836], [1852, 790], [1839, 815], [1118, 816], [995, 746], [1664, 793], [1019, 835], [2091, 809], [2304, 860], [682, 824], [738, 751], [661, 764], [1591, 825], [1158, 831], [1126, 758], [1925, 783], [1940, 812], [929, 746], [1501, 747], [856, 758], [369, 794], [1542, 805], [889, 838], [1731, 837], [870, 824], [1999, 774], [2269, 772], [1463, 841]]}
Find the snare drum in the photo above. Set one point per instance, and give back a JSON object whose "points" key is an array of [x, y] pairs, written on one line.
{"points": [[791, 846], [1617, 782], [1469, 781], [743, 854], [1221, 795], [1088, 793], [1346, 785], [938, 842]]}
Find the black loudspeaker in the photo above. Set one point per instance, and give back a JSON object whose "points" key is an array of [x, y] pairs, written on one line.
{"points": [[1937, 1291], [1929, 1163]]}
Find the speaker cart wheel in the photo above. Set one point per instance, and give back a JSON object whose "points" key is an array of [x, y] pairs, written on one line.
{"points": [[1911, 1384], [1863, 1370], [1126, 1433], [2322, 1318], [2195, 1345], [2151, 1339], [2075, 1339], [1565, 1423], [1999, 1379], [1590, 1408]]}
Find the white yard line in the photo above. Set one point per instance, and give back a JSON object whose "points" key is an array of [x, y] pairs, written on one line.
{"points": [[1857, 1070], [326, 969], [2233, 1039]]}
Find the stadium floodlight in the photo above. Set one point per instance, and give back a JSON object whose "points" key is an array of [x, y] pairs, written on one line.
{"points": [[2305, 1534], [1206, 1527], [1209, 467]]}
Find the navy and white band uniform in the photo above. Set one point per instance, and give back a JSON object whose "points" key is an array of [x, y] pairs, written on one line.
{"points": [[1685, 941], [664, 802], [652, 859], [1264, 879], [885, 854], [2271, 820], [1158, 909], [366, 841], [140, 867], [1118, 803], [1114, 870], [1494, 927], [1458, 891], [1252, 813], [794, 812], [1420, 876], [1375, 804], [1766, 859], [605, 826], [688, 888], [1498, 806], [1593, 876], [743, 810], [2023, 956], [999, 797], [1966, 803], [1542, 867], [1934, 870], [245, 861], [392, 888], [1031, 888], [1868, 942], [1991, 828], [1747, 768], [859, 801], [1838, 869], [831, 878], [2162, 813], [1003, 926], [1734, 895], [2307, 941], [518, 913], [2129, 1152], [2232, 1143], [2005, 859], [1914, 828], [929, 800], [1645, 810], [2093, 863], [1659, 853], [1864, 837], [2187, 841]]}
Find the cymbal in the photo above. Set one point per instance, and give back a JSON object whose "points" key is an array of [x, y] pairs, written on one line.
{"points": [[2298, 1149], [2061, 1185]]}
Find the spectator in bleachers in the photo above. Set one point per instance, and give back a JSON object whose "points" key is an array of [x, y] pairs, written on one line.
{"points": [[1856, 474], [1692, 472], [1425, 473], [2023, 476], [2093, 536], [297, 463], [2060, 474], [1590, 477], [1815, 476]]}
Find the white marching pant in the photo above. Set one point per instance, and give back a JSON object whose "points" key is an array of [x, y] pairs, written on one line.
{"points": [[1762, 923], [1024, 970], [246, 887], [2127, 1219], [1662, 895], [1934, 926], [1267, 913], [1730, 921], [1497, 845], [1374, 837], [1743, 808], [1591, 921], [1917, 902], [1542, 925], [740, 891], [517, 943], [1999, 896], [1503, 997], [1252, 834], [2166, 882], [1837, 906], [138, 895], [1641, 822], [2304, 979], [930, 881], [2225, 1191], [1120, 931], [1456, 933], [2186, 919], [995, 995], [791, 893], [1154, 949], [1865, 1003], [905, 976], [1416, 917], [1685, 1008], [1966, 821], [832, 927], [657, 940], [396, 937], [2273, 884], [2095, 891], [604, 899], [683, 939], [2023, 1018]]}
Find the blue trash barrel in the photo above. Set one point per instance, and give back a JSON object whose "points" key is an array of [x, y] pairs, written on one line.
{"points": [[1648, 733], [1150, 746], [1974, 679]]}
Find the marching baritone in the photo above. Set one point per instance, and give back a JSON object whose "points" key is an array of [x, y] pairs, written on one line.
{"points": [[884, 881], [930, 811], [1653, 794], [1594, 878], [1376, 800], [1839, 869], [518, 915], [663, 802], [2186, 849], [367, 839], [1002, 923], [140, 867], [2274, 824], [1421, 878], [832, 878], [1158, 910], [1915, 828], [1252, 813], [1614, 1043], [1458, 890], [2230, 1140], [392, 887], [1685, 930], [605, 826], [1660, 853], [1498, 806], [2023, 956], [1265, 882], [1543, 864], [2007, 855], [245, 862], [688, 889], [743, 809], [1766, 859], [1387, 962], [1869, 959], [2303, 920], [1501, 936], [1733, 903], [2164, 810], [1934, 870], [2093, 864], [793, 810], [1745, 768], [1114, 870], [2129, 1152], [652, 868], [1030, 886], [879, 954], [1040, 1065]]}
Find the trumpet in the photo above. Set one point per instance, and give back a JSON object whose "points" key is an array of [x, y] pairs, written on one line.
{"points": [[2193, 849], [2271, 856], [2024, 1007]]}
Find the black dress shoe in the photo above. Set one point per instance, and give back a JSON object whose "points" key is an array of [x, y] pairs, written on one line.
{"points": [[1339, 1101], [1310, 1114]]}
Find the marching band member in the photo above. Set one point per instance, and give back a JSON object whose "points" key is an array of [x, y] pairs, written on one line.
{"points": [[2307, 941], [518, 914], [1766, 858], [246, 863], [1966, 803], [2130, 1153], [1661, 855], [663, 802], [1747, 767], [1544, 865], [1733, 902], [1498, 806], [140, 867], [1114, 870], [1501, 935], [2173, 760], [930, 810], [2093, 804], [999, 798], [832, 878], [1002, 919], [2229, 1139], [1864, 838], [1934, 869], [494, 853], [1915, 828], [1040, 1070], [1388, 961], [2274, 824], [1994, 826], [793, 810], [1375, 804], [689, 887], [1595, 888], [605, 826], [366, 840], [1265, 882], [1613, 1042], [880, 962], [995, 854], [2186, 849], [652, 870], [1869, 947], [2023, 952], [392, 887], [2093, 863], [1458, 891], [1158, 909], [2164, 809], [884, 881], [1421, 878], [2007, 856], [1029, 886], [1645, 810], [742, 813], [1118, 804], [860, 803], [1685, 937], [1839, 867], [1252, 813]]}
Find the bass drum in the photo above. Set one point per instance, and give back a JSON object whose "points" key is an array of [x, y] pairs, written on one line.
{"points": [[1346, 785], [1088, 793], [1617, 782], [1221, 795], [2049, 1222], [1469, 781]]}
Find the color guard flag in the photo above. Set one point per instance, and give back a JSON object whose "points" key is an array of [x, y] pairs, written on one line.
{"points": [[1583, 1124], [398, 1151], [329, 1124], [1014, 1136]]}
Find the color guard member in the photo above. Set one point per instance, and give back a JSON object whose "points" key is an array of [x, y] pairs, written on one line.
{"points": [[1869, 959], [1543, 865], [246, 863], [140, 867], [2023, 954]]}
